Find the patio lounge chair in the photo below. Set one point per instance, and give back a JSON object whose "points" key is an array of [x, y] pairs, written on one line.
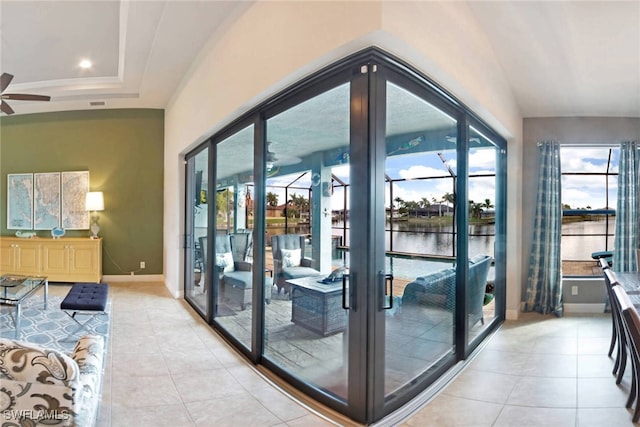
{"points": [[289, 261], [236, 274], [437, 289]]}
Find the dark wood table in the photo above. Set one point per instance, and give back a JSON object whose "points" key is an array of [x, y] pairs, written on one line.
{"points": [[317, 306]]}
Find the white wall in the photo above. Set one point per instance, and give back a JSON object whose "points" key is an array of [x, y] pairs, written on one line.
{"points": [[274, 44]]}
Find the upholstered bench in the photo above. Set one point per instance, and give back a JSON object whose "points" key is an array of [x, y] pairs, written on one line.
{"points": [[86, 298]]}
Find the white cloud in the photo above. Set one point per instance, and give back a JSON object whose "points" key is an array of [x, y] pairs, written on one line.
{"points": [[418, 171], [482, 188], [581, 191], [483, 158], [583, 159]]}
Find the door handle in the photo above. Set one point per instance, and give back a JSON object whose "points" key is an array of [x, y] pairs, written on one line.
{"points": [[384, 280], [351, 289]]}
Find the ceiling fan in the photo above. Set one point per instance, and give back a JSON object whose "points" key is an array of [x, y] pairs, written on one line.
{"points": [[5, 79], [280, 159]]}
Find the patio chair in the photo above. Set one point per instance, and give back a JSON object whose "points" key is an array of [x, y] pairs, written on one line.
{"points": [[235, 274], [289, 261]]}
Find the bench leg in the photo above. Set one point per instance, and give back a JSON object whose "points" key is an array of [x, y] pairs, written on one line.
{"points": [[81, 326]]}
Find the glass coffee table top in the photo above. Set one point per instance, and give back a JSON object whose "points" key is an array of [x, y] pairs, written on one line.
{"points": [[14, 289]]}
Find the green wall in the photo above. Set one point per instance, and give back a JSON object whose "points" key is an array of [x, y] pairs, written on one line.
{"points": [[122, 150]]}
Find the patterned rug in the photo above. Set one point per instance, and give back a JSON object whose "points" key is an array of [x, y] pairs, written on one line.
{"points": [[51, 328]]}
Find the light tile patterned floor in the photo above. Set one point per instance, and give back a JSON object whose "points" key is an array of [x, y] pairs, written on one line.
{"points": [[166, 367]]}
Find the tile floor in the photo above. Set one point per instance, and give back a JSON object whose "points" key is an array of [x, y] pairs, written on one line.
{"points": [[166, 367]]}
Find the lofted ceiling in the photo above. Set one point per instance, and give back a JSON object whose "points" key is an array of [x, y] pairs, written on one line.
{"points": [[140, 50], [570, 58]]}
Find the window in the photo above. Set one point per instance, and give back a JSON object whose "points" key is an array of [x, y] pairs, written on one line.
{"points": [[589, 197]]}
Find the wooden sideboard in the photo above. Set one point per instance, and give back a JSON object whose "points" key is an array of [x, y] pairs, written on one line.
{"points": [[68, 259]]}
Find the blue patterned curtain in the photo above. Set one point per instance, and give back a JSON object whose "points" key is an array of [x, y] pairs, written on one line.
{"points": [[544, 287], [628, 210]]}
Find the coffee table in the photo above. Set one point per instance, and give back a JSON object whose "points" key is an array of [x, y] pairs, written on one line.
{"points": [[317, 306], [15, 289]]}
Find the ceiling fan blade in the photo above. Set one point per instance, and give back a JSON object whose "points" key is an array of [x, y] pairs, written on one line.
{"points": [[25, 97], [5, 108], [5, 79]]}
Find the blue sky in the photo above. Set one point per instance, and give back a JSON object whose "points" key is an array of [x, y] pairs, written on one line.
{"points": [[413, 166], [577, 191]]}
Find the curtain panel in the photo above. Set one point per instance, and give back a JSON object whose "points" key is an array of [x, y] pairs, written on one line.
{"points": [[544, 286], [626, 240]]}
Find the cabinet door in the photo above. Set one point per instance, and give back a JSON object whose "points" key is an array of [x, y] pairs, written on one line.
{"points": [[27, 258], [6, 257], [56, 259], [83, 259]]}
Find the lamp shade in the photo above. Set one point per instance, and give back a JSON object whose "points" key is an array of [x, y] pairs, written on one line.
{"points": [[94, 201]]}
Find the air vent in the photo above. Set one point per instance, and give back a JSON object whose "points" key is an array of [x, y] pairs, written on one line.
{"points": [[97, 103]]}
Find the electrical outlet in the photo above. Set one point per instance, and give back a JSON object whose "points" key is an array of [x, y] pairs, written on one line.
{"points": [[574, 290], [142, 264]]}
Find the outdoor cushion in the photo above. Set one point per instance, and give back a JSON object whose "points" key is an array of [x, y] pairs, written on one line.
{"points": [[290, 257], [238, 279], [224, 260]]}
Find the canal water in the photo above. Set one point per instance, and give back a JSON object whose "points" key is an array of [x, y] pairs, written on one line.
{"points": [[579, 241]]}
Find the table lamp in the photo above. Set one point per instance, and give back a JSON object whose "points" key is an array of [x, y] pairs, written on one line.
{"points": [[95, 203]]}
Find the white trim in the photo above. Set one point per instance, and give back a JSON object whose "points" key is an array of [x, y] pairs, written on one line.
{"points": [[135, 278], [583, 308], [512, 314]]}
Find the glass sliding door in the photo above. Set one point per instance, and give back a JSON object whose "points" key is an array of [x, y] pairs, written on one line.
{"points": [[233, 237], [483, 214], [306, 327], [197, 279], [363, 254], [419, 283]]}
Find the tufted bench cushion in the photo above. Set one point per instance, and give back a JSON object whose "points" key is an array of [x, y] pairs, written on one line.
{"points": [[86, 297]]}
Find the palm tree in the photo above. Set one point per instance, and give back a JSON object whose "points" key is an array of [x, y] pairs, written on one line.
{"points": [[439, 205], [402, 206], [412, 206], [487, 204], [424, 204], [272, 199], [299, 203], [449, 198], [475, 209]]}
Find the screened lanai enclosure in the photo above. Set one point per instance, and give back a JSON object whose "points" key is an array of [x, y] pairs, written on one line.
{"points": [[349, 234]]}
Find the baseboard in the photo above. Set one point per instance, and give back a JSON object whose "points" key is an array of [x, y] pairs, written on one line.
{"points": [[583, 308], [512, 314], [136, 278]]}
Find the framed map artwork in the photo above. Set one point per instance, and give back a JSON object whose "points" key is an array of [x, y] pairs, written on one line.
{"points": [[46, 200], [20, 201], [75, 186]]}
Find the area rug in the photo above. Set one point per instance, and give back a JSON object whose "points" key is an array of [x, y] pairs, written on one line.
{"points": [[51, 328]]}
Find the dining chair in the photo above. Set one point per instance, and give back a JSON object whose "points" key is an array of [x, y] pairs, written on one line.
{"points": [[620, 364], [614, 323], [631, 324]]}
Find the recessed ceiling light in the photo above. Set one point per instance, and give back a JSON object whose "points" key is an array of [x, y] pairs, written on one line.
{"points": [[85, 64]]}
